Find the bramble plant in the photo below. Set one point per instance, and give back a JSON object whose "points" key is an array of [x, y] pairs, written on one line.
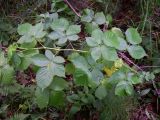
{"points": [[94, 68]]}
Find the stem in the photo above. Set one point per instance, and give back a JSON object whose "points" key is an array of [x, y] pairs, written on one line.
{"points": [[128, 60], [72, 8], [130, 68], [56, 49], [146, 15], [150, 66]]}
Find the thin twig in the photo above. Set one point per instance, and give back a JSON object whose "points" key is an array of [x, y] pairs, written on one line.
{"points": [[128, 60], [56, 49], [150, 66], [78, 14], [130, 68]]}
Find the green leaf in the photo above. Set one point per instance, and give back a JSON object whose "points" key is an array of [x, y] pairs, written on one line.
{"points": [[123, 44], [29, 44], [72, 98], [60, 24], [26, 39], [49, 55], [19, 116], [73, 29], [136, 51], [37, 31], [25, 62], [111, 39], [24, 28], [58, 84], [96, 53], [145, 92], [56, 35], [123, 88], [109, 18], [11, 50], [117, 32], [109, 53], [40, 60], [40, 34], [88, 15], [91, 42], [117, 77], [73, 37], [90, 27], [56, 98], [101, 92], [100, 18], [133, 36], [80, 78], [7, 74], [75, 108], [16, 60], [69, 68], [147, 76], [98, 36], [62, 40], [58, 59], [97, 76], [134, 79], [84, 99], [42, 97], [80, 63], [30, 52], [57, 69], [44, 77], [2, 59], [91, 98]]}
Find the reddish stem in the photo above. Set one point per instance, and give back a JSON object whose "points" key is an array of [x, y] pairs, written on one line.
{"points": [[78, 14], [128, 60]]}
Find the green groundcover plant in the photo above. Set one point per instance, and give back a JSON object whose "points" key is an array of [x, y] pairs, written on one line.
{"points": [[48, 47]]}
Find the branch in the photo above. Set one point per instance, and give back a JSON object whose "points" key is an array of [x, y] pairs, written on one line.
{"points": [[78, 14], [56, 49], [128, 60]]}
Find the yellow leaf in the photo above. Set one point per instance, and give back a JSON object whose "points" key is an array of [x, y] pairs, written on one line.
{"points": [[110, 71], [118, 63]]}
